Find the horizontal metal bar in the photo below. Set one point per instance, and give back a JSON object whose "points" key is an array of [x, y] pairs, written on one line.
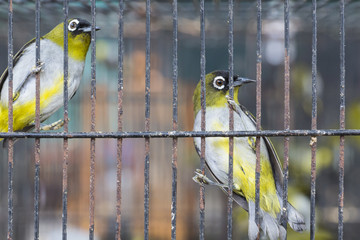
{"points": [[184, 134]]}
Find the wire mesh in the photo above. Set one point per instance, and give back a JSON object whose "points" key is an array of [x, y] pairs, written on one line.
{"points": [[120, 135]]}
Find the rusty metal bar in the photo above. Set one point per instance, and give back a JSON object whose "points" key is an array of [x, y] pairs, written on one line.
{"points": [[286, 113], [313, 141], [66, 123], [342, 120], [37, 64], [185, 134], [37, 122], [175, 121], [10, 122], [258, 110], [203, 119], [120, 119], [231, 117], [92, 125], [147, 125]]}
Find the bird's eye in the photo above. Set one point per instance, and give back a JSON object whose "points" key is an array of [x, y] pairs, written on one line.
{"points": [[73, 25], [219, 82]]}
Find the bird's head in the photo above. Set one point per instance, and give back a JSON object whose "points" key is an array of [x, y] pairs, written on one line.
{"points": [[79, 36], [217, 86]]}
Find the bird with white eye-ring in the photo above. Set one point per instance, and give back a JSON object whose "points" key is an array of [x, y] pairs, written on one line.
{"points": [[51, 73], [217, 114]]}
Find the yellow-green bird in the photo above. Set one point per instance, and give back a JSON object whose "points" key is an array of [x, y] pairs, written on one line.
{"points": [[244, 163], [51, 75]]}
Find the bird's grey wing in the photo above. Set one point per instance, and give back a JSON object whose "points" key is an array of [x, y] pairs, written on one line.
{"points": [[274, 158], [15, 60], [240, 200]]}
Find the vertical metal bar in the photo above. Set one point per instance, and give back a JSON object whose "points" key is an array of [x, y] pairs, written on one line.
{"points": [[37, 122], [203, 119], [93, 118], [175, 121], [286, 113], [231, 118], [342, 120], [10, 122], [258, 110], [313, 142], [147, 124], [120, 123], [66, 128]]}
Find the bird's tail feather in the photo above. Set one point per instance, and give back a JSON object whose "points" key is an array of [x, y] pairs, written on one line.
{"points": [[269, 225], [272, 227], [295, 219], [253, 230]]}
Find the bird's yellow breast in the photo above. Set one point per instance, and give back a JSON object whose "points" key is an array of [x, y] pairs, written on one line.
{"points": [[24, 113], [244, 160]]}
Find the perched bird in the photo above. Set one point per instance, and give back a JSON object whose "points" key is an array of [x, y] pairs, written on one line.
{"points": [[51, 75], [244, 160]]}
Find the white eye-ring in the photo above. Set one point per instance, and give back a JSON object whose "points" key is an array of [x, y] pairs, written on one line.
{"points": [[73, 25], [219, 82]]}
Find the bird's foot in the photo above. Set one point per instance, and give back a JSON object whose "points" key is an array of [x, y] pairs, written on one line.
{"points": [[53, 126], [202, 179], [38, 68], [252, 143], [232, 104]]}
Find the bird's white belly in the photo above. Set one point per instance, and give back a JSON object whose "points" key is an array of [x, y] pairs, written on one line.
{"points": [[216, 152], [51, 75]]}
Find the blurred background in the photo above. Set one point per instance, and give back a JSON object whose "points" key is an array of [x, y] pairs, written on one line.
{"points": [[161, 117]]}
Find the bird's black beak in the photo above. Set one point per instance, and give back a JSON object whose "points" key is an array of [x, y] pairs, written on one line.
{"points": [[88, 29], [239, 81]]}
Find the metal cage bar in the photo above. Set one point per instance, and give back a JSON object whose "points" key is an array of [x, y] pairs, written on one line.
{"points": [[203, 119], [66, 126], [286, 113], [10, 123], [93, 121], [258, 108], [120, 119], [313, 141], [174, 158], [231, 118], [185, 134], [147, 124], [342, 120], [37, 122]]}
